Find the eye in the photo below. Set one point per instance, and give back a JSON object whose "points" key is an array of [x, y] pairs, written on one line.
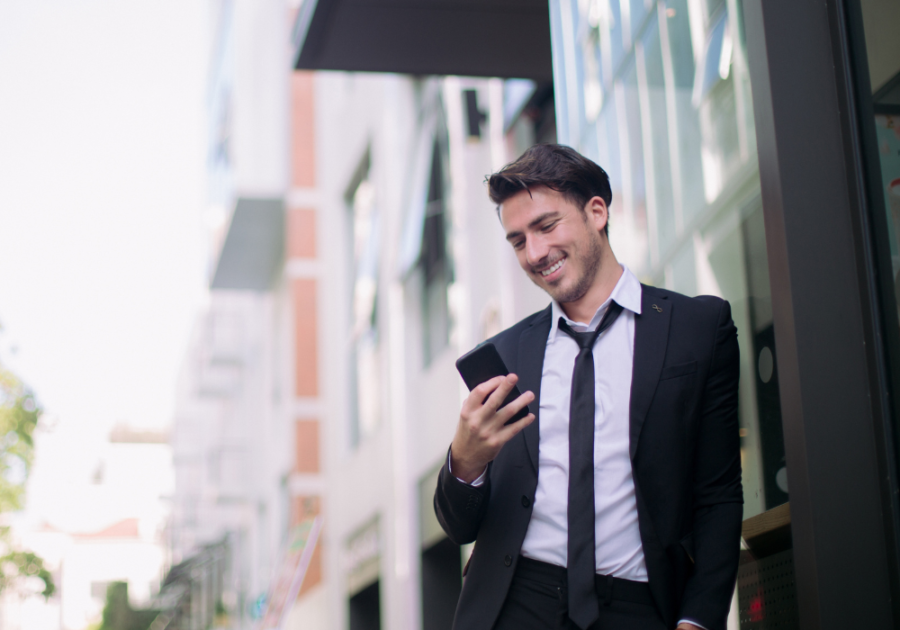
{"points": [[548, 227], [518, 244]]}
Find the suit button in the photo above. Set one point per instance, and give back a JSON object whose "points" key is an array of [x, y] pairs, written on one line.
{"points": [[525, 501], [507, 560]]}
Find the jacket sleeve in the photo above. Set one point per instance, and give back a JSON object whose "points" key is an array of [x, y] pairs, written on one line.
{"points": [[717, 492], [460, 507]]}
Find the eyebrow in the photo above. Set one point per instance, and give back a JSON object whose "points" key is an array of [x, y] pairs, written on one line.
{"points": [[534, 223]]}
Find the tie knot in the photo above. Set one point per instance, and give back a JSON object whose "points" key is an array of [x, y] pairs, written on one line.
{"points": [[585, 340]]}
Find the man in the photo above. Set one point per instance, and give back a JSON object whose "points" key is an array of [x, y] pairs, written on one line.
{"points": [[616, 503]]}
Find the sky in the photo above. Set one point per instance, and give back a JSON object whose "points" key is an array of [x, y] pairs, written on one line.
{"points": [[102, 259]]}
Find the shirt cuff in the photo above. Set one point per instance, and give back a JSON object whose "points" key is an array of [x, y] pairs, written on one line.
{"points": [[477, 482], [691, 621]]}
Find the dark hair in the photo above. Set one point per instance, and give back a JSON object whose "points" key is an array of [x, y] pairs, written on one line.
{"points": [[557, 167]]}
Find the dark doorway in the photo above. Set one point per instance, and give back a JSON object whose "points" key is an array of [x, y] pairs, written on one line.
{"points": [[365, 609], [441, 584]]}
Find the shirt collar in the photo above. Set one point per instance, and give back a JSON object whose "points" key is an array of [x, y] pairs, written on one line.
{"points": [[626, 293]]}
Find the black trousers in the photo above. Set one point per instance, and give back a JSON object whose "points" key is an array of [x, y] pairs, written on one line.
{"points": [[537, 600]]}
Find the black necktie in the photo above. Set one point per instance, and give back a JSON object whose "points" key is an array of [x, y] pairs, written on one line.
{"points": [[583, 606]]}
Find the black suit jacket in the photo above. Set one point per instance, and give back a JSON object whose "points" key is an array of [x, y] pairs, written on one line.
{"points": [[685, 458]]}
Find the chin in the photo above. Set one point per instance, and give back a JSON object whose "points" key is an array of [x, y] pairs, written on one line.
{"points": [[567, 294], [557, 292]]}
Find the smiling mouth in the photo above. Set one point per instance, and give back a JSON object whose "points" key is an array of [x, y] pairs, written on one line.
{"points": [[549, 270]]}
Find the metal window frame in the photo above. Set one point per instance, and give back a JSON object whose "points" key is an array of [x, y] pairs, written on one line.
{"points": [[828, 300]]}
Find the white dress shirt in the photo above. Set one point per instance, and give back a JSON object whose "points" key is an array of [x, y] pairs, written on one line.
{"points": [[618, 540]]}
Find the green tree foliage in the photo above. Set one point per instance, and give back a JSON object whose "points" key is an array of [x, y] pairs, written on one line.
{"points": [[18, 566], [118, 613], [19, 415]]}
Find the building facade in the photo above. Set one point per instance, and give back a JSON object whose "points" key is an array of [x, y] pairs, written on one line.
{"points": [[418, 273], [752, 150], [245, 435]]}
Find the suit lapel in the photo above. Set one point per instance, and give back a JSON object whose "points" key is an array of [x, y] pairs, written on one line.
{"points": [[651, 334], [530, 365]]}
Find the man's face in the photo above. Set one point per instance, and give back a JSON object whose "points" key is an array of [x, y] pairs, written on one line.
{"points": [[557, 243]]}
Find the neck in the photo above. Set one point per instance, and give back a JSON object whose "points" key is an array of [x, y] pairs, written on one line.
{"points": [[608, 274]]}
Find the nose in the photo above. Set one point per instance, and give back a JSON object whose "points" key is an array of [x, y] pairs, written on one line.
{"points": [[536, 250]]}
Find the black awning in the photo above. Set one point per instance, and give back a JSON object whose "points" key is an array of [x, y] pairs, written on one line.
{"points": [[488, 38]]}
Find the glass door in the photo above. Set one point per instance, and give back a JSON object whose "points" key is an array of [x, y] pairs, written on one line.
{"points": [[659, 94]]}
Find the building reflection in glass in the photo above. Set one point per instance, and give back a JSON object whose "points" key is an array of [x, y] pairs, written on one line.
{"points": [[658, 93]]}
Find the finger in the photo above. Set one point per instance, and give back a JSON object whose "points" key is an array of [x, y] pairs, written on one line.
{"points": [[509, 431], [499, 395], [515, 407], [477, 396]]}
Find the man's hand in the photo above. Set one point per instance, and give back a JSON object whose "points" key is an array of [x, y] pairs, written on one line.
{"points": [[481, 433], [684, 625]]}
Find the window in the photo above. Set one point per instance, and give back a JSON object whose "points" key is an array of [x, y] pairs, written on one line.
{"points": [[675, 133], [365, 356], [435, 263], [880, 23]]}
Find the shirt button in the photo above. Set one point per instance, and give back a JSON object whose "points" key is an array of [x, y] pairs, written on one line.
{"points": [[525, 501], [507, 560]]}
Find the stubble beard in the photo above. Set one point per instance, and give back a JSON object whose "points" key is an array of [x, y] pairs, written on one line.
{"points": [[591, 260]]}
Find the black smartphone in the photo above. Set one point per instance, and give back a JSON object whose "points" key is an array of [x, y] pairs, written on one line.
{"points": [[482, 364]]}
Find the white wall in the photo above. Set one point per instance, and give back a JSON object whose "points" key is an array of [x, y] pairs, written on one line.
{"points": [[232, 439], [387, 115], [261, 71]]}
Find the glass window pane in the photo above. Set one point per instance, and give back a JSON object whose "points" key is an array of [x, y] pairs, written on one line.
{"points": [[887, 130], [680, 52], [656, 121], [715, 96], [634, 174], [569, 18], [675, 134], [435, 264], [607, 130], [638, 12], [614, 30], [881, 22], [594, 75], [684, 271], [712, 7], [365, 351]]}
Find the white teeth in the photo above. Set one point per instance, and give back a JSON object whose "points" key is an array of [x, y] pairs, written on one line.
{"points": [[549, 270]]}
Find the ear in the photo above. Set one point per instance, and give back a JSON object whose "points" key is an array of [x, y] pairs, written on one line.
{"points": [[597, 213]]}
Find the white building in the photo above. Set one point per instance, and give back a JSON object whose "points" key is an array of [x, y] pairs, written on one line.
{"points": [[235, 431], [102, 521], [351, 265], [418, 272]]}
